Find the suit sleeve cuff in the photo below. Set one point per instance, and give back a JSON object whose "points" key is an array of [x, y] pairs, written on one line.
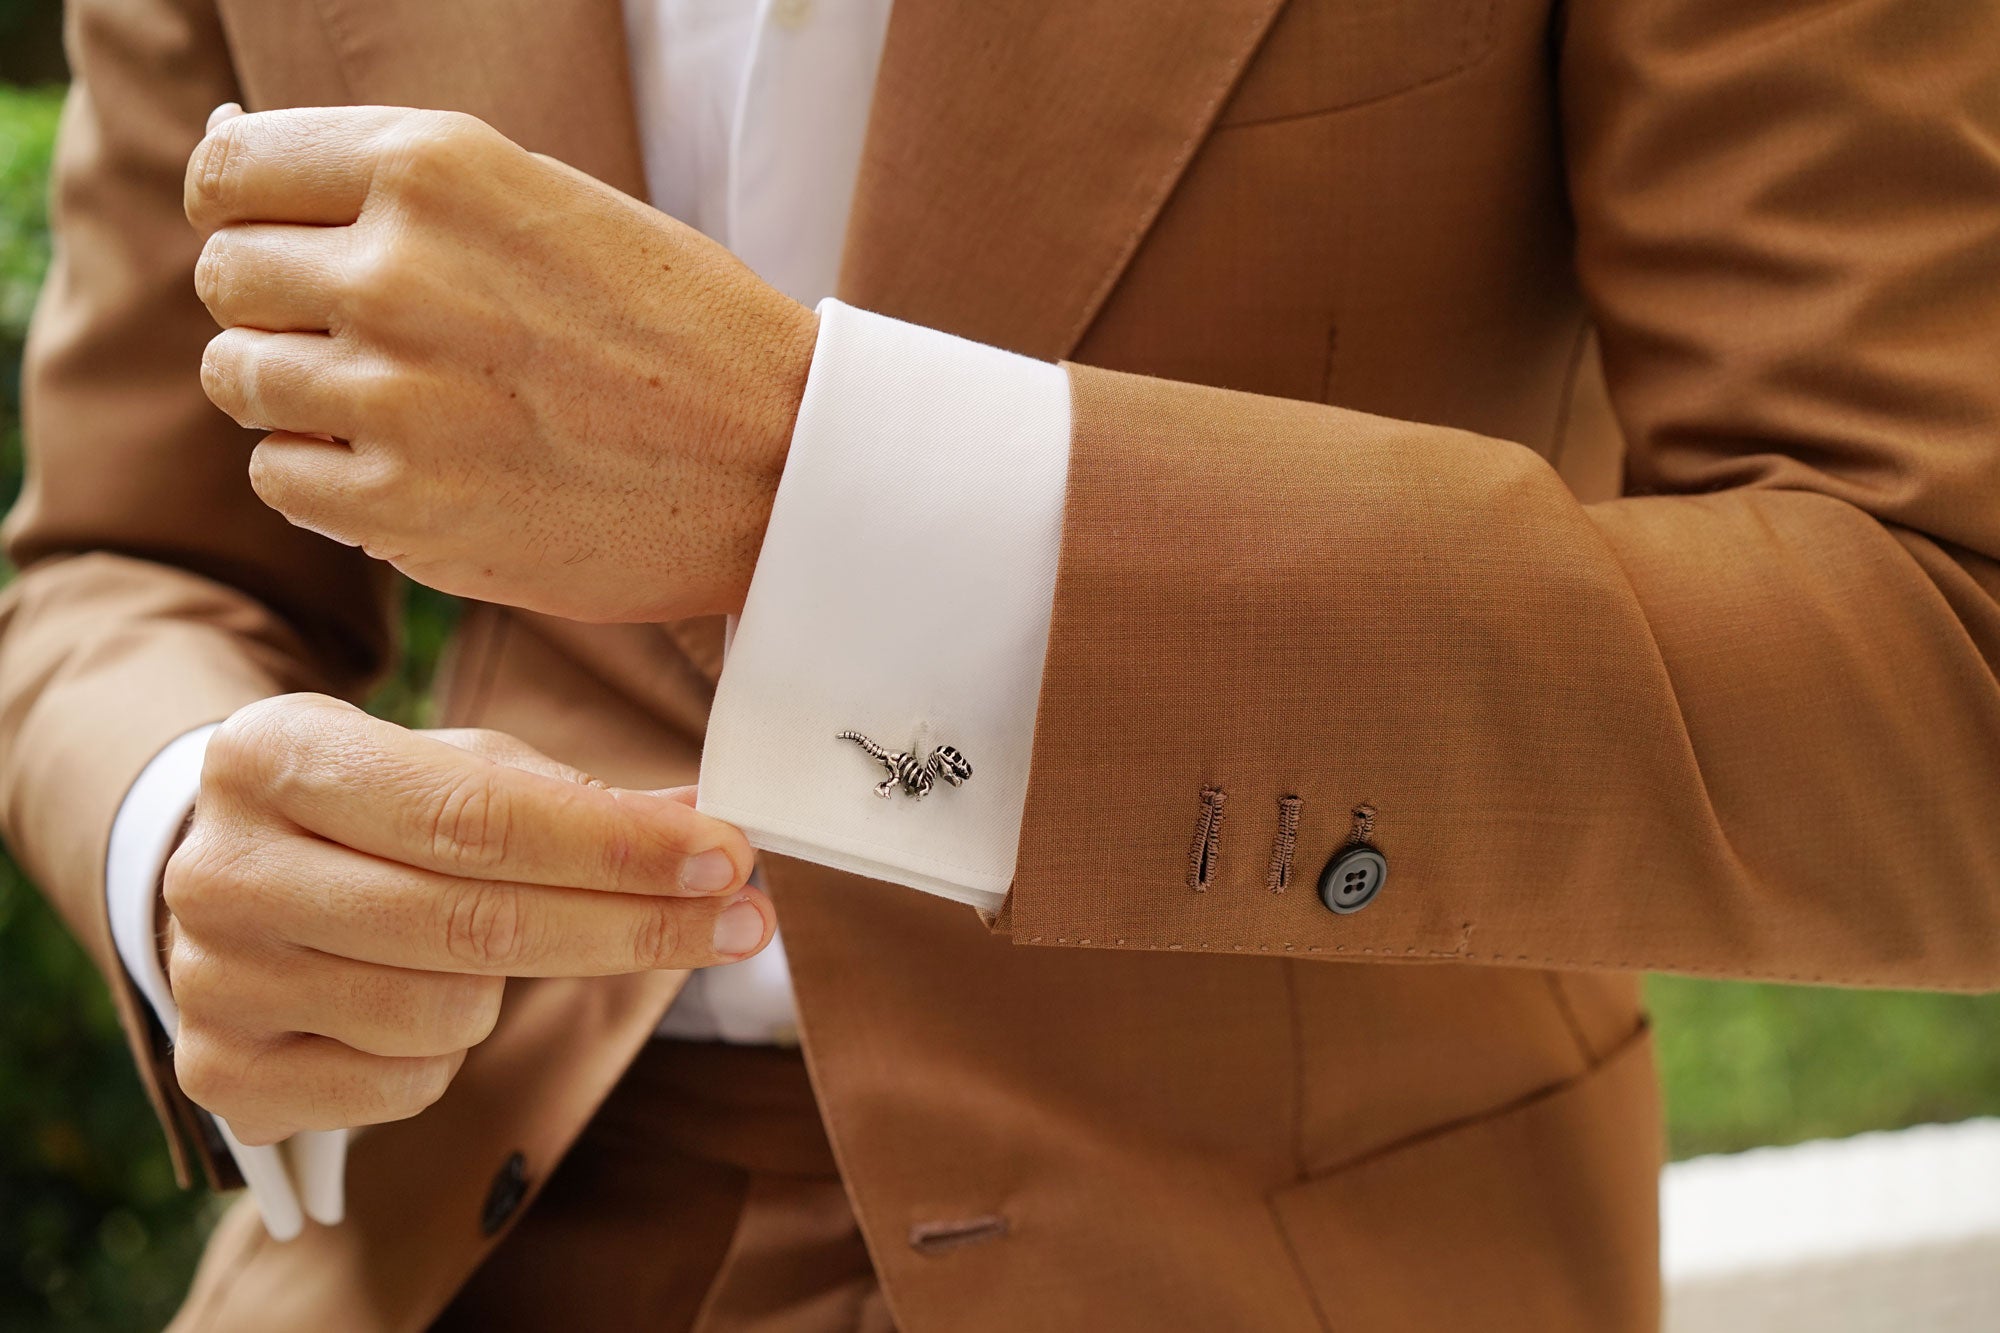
{"points": [[903, 592]]}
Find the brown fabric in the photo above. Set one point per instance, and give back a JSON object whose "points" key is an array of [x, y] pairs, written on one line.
{"points": [[417, 1190], [1377, 307], [1742, 720], [1401, 1239], [703, 1196]]}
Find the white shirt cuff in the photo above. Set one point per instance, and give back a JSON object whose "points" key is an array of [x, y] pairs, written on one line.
{"points": [[143, 837], [903, 591]]}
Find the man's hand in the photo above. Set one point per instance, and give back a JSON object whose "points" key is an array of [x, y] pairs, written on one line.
{"points": [[507, 379], [351, 895]]}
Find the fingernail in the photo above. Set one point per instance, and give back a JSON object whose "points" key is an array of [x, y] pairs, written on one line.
{"points": [[738, 929], [710, 872], [227, 111]]}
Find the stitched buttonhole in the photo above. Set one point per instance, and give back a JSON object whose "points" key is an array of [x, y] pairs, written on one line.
{"points": [[933, 1238], [1278, 877], [1364, 823], [1203, 851]]}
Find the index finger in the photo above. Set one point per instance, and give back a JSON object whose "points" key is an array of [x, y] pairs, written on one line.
{"points": [[303, 165], [378, 788]]}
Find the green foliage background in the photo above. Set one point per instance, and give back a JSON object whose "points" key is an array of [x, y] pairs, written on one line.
{"points": [[94, 1235]]}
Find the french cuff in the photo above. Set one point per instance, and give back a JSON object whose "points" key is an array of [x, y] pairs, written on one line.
{"points": [[143, 837], [902, 593]]}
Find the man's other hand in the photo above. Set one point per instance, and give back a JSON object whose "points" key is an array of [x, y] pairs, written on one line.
{"points": [[507, 379], [351, 896]]}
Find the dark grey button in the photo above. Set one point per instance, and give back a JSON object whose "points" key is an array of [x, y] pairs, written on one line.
{"points": [[1352, 878], [510, 1186]]}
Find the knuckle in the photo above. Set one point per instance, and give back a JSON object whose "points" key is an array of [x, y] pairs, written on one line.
{"points": [[276, 748], [470, 825], [237, 749], [225, 372], [207, 1072], [474, 1011], [436, 1014], [453, 132], [372, 284], [212, 173], [208, 880], [212, 272], [425, 150], [240, 751], [408, 1085], [192, 975], [383, 397], [657, 941], [639, 847], [486, 929], [267, 480], [425, 1081], [621, 857], [187, 879]]}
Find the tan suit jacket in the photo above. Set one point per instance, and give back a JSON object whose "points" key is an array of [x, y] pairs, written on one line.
{"points": [[1347, 521]]}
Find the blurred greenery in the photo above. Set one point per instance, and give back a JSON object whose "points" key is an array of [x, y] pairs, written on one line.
{"points": [[94, 1235], [31, 42], [1753, 1064], [27, 124]]}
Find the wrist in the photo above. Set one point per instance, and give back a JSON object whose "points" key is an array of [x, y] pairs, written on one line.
{"points": [[789, 343]]}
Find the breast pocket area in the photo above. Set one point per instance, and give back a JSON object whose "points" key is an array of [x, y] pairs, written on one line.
{"points": [[1325, 55]]}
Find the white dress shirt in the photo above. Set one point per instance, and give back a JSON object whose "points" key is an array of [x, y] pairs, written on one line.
{"points": [[905, 584]]}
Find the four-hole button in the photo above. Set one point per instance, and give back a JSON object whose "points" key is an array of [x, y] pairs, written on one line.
{"points": [[1352, 878]]}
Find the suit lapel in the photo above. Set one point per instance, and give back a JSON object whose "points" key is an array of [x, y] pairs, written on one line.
{"points": [[550, 74], [1018, 151]]}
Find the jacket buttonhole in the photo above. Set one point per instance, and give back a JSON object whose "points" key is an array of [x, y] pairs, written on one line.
{"points": [[1278, 875], [1205, 850], [934, 1238]]}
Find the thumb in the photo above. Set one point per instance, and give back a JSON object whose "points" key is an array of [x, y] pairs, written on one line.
{"points": [[501, 748]]}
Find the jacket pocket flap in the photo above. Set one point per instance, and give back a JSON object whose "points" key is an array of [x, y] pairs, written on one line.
{"points": [[1543, 1215]]}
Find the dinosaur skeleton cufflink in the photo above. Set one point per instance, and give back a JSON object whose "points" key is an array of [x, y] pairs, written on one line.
{"points": [[915, 776]]}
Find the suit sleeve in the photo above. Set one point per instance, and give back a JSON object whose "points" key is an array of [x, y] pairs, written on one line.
{"points": [[156, 594], [1742, 721]]}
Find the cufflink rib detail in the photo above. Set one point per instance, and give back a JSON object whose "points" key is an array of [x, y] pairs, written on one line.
{"points": [[914, 776]]}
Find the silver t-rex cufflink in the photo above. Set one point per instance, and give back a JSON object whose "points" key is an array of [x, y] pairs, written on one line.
{"points": [[915, 776]]}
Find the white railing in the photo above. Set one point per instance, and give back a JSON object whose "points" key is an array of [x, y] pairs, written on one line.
{"points": [[1881, 1233]]}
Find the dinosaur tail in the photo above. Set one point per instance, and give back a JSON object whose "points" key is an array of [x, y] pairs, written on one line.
{"points": [[874, 751]]}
